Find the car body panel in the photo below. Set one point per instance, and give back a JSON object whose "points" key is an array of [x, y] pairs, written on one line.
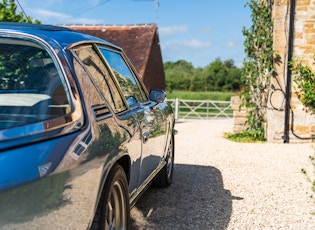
{"points": [[53, 168]]}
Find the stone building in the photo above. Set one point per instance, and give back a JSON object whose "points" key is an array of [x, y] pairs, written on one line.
{"points": [[141, 44], [294, 37]]}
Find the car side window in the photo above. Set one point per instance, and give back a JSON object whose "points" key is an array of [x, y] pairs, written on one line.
{"points": [[32, 88], [99, 72], [131, 88]]}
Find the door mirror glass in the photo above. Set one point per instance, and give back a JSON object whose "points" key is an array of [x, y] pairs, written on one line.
{"points": [[157, 95]]}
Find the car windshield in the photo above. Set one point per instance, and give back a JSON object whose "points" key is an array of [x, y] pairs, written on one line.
{"points": [[31, 88]]}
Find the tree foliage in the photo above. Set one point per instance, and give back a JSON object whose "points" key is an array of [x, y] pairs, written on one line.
{"points": [[8, 13], [217, 76]]}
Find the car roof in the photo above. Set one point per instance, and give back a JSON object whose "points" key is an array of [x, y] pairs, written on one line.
{"points": [[65, 37]]}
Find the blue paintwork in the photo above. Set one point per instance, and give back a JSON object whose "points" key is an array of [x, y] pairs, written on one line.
{"points": [[46, 167], [21, 165]]}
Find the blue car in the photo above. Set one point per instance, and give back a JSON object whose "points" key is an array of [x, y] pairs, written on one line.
{"points": [[80, 137]]}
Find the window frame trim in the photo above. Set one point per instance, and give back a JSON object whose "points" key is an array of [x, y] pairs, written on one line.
{"points": [[94, 46]]}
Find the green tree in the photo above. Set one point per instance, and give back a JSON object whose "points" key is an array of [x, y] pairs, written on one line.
{"points": [[233, 80], [217, 76], [179, 75], [222, 76], [8, 13], [197, 82], [229, 63]]}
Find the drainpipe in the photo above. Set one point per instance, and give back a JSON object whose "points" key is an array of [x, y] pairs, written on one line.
{"points": [[286, 137]]}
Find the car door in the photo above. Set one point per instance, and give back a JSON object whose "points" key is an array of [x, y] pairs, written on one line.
{"points": [[99, 72], [149, 115], [153, 129]]}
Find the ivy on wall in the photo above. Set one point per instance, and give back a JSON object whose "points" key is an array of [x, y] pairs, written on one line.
{"points": [[258, 65], [304, 79]]}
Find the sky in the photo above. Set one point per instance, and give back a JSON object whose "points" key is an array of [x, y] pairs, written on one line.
{"points": [[198, 31]]}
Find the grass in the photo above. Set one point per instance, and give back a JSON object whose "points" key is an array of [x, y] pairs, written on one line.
{"points": [[187, 95], [243, 137]]}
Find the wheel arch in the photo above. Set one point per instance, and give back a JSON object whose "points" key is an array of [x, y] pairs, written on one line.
{"points": [[125, 162]]}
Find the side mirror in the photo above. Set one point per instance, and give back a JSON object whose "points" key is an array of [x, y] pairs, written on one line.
{"points": [[131, 101], [157, 95]]}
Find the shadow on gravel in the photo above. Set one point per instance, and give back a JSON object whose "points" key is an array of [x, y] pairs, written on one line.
{"points": [[196, 200]]}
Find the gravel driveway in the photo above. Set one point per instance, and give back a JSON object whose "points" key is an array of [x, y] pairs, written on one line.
{"points": [[219, 184]]}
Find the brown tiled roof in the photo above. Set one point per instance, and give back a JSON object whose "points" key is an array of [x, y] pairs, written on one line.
{"points": [[141, 44]]}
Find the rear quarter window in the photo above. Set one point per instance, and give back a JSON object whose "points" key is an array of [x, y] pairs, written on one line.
{"points": [[99, 72], [32, 88]]}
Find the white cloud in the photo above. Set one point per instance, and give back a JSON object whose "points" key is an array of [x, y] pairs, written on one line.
{"points": [[82, 20], [46, 14], [171, 30], [51, 17], [231, 44], [186, 44], [204, 31]]}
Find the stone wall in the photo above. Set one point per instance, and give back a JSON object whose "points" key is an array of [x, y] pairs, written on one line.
{"points": [[239, 115], [301, 121]]}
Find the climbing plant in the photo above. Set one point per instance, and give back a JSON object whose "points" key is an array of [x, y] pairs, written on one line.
{"points": [[258, 65], [304, 79]]}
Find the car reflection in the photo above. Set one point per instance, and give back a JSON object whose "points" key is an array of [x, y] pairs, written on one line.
{"points": [[107, 143], [21, 204], [64, 193]]}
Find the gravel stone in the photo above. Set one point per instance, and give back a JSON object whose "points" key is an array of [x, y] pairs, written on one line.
{"points": [[220, 184]]}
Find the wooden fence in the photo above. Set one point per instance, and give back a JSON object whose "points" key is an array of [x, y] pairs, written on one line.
{"points": [[201, 109]]}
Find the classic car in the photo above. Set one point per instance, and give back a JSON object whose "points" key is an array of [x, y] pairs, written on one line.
{"points": [[80, 137]]}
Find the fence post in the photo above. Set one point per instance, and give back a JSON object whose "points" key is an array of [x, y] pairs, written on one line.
{"points": [[176, 108]]}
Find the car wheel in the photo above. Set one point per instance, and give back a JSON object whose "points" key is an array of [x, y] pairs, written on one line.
{"points": [[113, 211], [165, 176]]}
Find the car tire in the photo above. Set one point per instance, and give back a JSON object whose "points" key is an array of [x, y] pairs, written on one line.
{"points": [[113, 210], [165, 176]]}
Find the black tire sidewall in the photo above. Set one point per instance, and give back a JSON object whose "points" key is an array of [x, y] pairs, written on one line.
{"points": [[163, 178], [117, 174], [170, 177]]}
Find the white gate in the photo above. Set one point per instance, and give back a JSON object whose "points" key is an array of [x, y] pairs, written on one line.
{"points": [[201, 109]]}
